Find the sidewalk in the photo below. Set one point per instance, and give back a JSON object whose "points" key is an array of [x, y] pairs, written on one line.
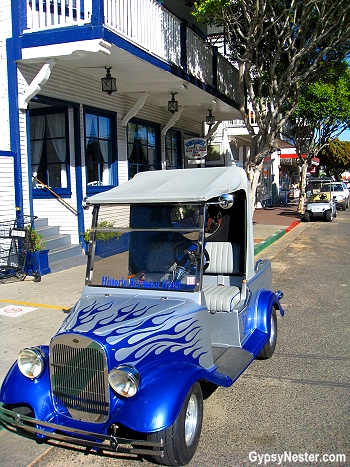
{"points": [[272, 222]]}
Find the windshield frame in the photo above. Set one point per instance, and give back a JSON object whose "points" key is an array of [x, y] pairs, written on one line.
{"points": [[194, 235]]}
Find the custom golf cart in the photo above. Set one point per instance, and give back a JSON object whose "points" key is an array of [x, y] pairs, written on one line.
{"points": [[321, 202], [167, 314]]}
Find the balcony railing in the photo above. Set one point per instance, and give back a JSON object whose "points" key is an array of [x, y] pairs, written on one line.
{"points": [[147, 24]]}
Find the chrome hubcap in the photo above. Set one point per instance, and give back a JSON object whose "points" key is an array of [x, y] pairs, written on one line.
{"points": [[191, 419], [273, 331]]}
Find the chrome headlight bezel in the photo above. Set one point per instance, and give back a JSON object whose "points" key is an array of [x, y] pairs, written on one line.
{"points": [[124, 380], [31, 362]]}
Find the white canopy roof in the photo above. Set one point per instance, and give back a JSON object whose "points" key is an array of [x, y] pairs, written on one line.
{"points": [[180, 185]]}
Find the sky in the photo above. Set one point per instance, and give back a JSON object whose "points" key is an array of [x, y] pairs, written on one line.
{"points": [[345, 136]]}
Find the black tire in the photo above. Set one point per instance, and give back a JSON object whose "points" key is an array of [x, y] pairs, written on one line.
{"points": [[270, 345], [37, 277], [182, 437], [307, 216], [328, 216], [343, 206]]}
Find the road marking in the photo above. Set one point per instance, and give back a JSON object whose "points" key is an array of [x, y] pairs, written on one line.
{"points": [[36, 305]]}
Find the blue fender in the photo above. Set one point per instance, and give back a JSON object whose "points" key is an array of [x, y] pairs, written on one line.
{"points": [[155, 407], [16, 388], [160, 397], [266, 301]]}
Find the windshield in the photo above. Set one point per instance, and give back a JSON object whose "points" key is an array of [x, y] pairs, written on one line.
{"points": [[155, 247], [319, 191], [337, 187]]}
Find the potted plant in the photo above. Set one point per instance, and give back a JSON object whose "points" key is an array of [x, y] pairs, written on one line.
{"points": [[37, 256], [106, 242]]}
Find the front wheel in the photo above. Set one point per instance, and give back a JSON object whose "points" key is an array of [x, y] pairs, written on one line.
{"points": [[270, 345], [181, 438], [329, 216], [307, 216]]}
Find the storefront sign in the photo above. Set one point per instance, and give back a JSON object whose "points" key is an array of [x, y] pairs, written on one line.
{"points": [[195, 148], [286, 161]]}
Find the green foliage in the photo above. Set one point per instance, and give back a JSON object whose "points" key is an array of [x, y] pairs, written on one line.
{"points": [[33, 240], [104, 236], [336, 157], [327, 100]]}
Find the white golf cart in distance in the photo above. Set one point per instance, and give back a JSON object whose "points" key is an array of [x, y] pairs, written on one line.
{"points": [[321, 202], [167, 312]]}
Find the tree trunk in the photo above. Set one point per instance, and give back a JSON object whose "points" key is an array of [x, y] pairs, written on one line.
{"points": [[254, 173], [302, 199]]}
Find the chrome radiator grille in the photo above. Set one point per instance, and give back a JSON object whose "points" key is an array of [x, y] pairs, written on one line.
{"points": [[79, 379]]}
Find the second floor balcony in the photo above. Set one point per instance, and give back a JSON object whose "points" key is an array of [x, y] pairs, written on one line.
{"points": [[145, 28]]}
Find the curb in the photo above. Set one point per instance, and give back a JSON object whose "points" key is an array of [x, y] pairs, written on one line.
{"points": [[273, 238]]}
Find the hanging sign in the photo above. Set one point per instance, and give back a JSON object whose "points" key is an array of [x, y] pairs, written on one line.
{"points": [[195, 148]]}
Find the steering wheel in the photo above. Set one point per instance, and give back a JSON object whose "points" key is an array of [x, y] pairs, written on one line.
{"points": [[185, 255]]}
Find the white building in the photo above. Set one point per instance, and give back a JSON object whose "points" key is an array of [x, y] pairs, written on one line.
{"points": [[57, 123]]}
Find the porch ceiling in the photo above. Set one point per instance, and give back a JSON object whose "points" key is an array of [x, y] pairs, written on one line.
{"points": [[134, 77]]}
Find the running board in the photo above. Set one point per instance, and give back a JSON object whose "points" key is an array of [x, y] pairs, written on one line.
{"points": [[231, 361]]}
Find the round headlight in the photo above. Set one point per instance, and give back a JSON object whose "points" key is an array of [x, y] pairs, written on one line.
{"points": [[31, 362], [124, 380]]}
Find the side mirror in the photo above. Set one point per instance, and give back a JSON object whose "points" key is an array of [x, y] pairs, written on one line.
{"points": [[226, 201]]}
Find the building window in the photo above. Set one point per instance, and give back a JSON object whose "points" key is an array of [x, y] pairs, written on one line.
{"points": [[143, 148], [49, 148], [173, 154], [99, 130]]}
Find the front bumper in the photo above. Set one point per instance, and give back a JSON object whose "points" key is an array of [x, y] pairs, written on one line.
{"points": [[68, 435], [318, 209]]}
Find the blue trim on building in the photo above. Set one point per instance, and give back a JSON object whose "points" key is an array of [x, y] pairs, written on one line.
{"points": [[88, 32], [14, 124], [78, 173], [7, 153]]}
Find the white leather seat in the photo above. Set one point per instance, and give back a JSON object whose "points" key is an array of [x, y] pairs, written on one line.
{"points": [[223, 258], [221, 297]]}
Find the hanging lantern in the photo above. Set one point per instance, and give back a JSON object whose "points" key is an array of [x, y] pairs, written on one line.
{"points": [[210, 119], [109, 84], [173, 105]]}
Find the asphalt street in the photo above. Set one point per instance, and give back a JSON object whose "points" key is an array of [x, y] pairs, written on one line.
{"points": [[294, 405]]}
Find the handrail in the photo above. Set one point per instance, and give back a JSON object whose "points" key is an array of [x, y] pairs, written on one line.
{"points": [[57, 196]]}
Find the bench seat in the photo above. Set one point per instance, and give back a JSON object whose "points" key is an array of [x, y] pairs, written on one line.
{"points": [[221, 297]]}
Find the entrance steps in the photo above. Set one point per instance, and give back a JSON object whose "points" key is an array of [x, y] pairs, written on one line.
{"points": [[62, 253]]}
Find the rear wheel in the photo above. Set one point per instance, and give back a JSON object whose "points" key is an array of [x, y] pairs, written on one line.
{"points": [[328, 216], [307, 216], [182, 437], [270, 345]]}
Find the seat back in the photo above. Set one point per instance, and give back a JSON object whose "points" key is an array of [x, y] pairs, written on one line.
{"points": [[224, 258]]}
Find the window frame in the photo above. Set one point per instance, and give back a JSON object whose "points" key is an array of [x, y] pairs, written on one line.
{"points": [[156, 128], [179, 154], [113, 162], [50, 110]]}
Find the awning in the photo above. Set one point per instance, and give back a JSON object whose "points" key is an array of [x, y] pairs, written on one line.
{"points": [[291, 157]]}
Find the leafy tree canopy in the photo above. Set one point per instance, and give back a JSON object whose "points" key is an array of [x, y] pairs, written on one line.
{"points": [[336, 157], [279, 47]]}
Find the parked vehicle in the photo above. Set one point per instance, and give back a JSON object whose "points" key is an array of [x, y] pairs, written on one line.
{"points": [[321, 200], [172, 314], [341, 195]]}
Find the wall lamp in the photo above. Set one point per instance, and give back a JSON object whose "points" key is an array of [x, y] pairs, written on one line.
{"points": [[173, 105], [109, 84], [210, 119]]}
